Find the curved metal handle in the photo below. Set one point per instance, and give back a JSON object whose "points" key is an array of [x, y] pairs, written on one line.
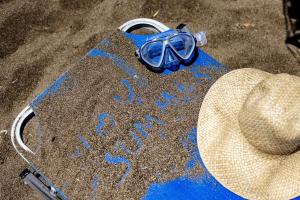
{"points": [[143, 23], [16, 130]]}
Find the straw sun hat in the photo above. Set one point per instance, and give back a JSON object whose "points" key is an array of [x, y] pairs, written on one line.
{"points": [[249, 133]]}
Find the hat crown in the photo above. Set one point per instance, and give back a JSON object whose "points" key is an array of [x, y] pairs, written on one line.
{"points": [[270, 116]]}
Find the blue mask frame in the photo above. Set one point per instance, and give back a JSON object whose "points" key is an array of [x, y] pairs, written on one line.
{"points": [[198, 58], [167, 48]]}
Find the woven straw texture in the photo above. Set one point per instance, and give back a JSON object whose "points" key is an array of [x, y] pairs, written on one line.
{"points": [[249, 133]]}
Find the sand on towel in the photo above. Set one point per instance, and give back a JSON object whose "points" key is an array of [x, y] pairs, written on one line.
{"points": [[74, 146]]}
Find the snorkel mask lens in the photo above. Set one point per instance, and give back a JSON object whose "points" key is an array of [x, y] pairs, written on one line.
{"points": [[183, 44], [152, 53]]}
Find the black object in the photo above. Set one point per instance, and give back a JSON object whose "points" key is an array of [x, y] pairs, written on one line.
{"points": [[35, 181], [291, 9]]}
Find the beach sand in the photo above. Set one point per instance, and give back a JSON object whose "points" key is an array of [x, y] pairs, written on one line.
{"points": [[40, 39]]}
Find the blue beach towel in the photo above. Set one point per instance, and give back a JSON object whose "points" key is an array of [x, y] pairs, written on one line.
{"points": [[112, 129]]}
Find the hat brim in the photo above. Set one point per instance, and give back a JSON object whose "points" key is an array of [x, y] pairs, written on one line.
{"points": [[227, 154]]}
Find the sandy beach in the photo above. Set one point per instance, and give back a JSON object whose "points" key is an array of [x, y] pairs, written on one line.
{"points": [[39, 40]]}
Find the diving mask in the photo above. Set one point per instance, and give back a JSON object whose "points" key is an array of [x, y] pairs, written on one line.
{"points": [[169, 49]]}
